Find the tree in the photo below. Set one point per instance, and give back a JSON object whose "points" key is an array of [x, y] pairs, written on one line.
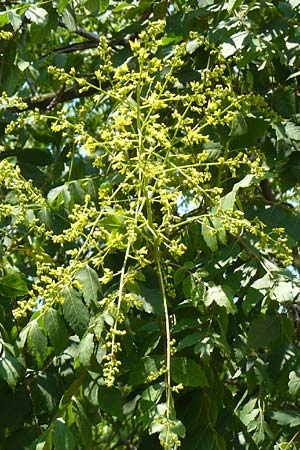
{"points": [[149, 225]]}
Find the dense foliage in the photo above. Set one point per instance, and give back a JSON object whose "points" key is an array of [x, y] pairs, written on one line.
{"points": [[149, 225]]}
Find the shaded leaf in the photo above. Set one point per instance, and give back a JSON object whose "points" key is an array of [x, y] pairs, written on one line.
{"points": [[38, 340], [56, 329], [35, 156], [111, 400], [84, 425], [239, 125], [263, 331], [10, 368], [75, 312], [62, 436], [190, 340], [153, 298], [187, 372], [145, 367], [253, 296], [13, 285]]}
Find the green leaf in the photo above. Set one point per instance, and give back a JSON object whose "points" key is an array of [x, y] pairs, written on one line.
{"points": [[187, 372], [59, 196], [204, 3], [62, 5], [91, 287], [4, 18], [13, 285], [239, 125], [248, 412], [194, 288], [85, 349], [292, 131], [222, 296], [253, 296], [122, 5], [104, 4], [234, 43], [291, 170], [37, 15], [15, 19], [44, 393], [62, 436], [210, 236], [144, 368], [283, 292], [69, 20], [84, 425], [228, 201], [192, 46], [11, 369], [232, 5], [56, 329], [190, 340], [153, 298], [262, 284], [71, 391], [263, 331], [38, 340], [286, 417], [111, 401], [199, 439], [23, 65], [294, 384], [245, 182], [75, 312]]}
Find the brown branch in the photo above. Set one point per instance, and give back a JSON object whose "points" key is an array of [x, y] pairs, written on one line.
{"points": [[70, 48], [48, 101], [82, 32]]}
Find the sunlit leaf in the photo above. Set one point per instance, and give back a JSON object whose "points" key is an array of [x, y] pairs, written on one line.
{"points": [[91, 287], [222, 296], [37, 15]]}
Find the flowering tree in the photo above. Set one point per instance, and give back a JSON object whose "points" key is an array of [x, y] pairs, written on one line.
{"points": [[149, 225]]}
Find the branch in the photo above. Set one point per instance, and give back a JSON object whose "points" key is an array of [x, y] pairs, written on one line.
{"points": [[82, 32], [46, 102]]}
